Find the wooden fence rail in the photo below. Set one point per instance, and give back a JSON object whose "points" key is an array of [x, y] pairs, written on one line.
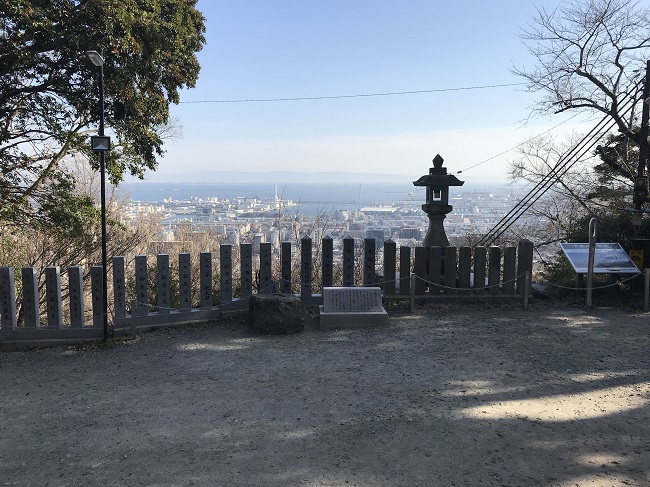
{"points": [[440, 273]]}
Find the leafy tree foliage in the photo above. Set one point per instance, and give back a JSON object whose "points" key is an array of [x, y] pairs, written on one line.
{"points": [[49, 95]]}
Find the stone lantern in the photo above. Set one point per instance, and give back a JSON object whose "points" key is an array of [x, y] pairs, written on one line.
{"points": [[437, 204]]}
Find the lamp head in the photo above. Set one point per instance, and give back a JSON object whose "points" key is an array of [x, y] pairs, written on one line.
{"points": [[95, 58]]}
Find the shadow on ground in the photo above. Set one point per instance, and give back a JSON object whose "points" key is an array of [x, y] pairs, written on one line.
{"points": [[498, 396]]}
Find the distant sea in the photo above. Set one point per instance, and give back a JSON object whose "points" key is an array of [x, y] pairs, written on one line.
{"points": [[313, 198]]}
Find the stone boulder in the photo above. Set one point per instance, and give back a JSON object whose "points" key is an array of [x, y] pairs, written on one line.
{"points": [[276, 314]]}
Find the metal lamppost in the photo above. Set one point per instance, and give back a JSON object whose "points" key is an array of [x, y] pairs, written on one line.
{"points": [[101, 143]]}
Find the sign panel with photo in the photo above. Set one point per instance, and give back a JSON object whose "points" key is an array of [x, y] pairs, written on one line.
{"points": [[609, 258]]}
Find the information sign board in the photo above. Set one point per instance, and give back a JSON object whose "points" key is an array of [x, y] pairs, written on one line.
{"points": [[609, 258]]}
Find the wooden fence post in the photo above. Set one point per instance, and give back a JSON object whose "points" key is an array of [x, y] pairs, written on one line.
{"points": [[450, 271], [390, 269], [285, 253], [464, 269], [480, 264], [266, 278], [348, 261], [305, 267], [405, 270], [327, 269], [420, 274], [524, 264], [369, 257], [435, 269], [509, 270], [494, 270]]}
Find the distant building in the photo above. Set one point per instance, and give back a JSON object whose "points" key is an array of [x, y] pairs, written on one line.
{"points": [[258, 239], [378, 233], [410, 233], [341, 215]]}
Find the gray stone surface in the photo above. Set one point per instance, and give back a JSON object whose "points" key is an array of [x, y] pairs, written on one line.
{"points": [[352, 307], [276, 314]]}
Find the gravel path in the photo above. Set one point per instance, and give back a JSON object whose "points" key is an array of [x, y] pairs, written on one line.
{"points": [[476, 396]]}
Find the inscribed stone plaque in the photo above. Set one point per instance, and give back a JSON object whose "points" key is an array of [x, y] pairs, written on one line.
{"points": [[76, 296], [246, 269], [266, 279], [142, 285], [53, 297], [206, 280], [305, 267], [351, 307], [31, 309], [185, 281], [7, 298], [225, 257], [164, 295], [119, 287], [97, 294], [352, 299]]}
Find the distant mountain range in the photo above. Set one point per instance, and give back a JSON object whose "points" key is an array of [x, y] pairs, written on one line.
{"points": [[282, 177]]}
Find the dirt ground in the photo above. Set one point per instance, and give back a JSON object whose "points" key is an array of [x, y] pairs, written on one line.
{"points": [[553, 396]]}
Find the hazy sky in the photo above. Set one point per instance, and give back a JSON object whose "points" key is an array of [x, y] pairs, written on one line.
{"points": [[263, 49]]}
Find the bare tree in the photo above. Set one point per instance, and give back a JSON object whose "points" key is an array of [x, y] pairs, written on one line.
{"points": [[589, 55]]}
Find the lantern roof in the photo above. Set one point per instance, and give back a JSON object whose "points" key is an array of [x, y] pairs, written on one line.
{"points": [[438, 176]]}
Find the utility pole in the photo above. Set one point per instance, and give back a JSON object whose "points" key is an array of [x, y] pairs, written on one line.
{"points": [[641, 181]]}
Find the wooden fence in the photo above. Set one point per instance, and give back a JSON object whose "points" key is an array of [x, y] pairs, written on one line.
{"points": [[433, 273]]}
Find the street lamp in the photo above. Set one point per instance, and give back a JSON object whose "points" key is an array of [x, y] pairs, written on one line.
{"points": [[101, 143]]}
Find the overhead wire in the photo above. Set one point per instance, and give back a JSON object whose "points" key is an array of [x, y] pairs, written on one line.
{"points": [[518, 145], [563, 165], [358, 95]]}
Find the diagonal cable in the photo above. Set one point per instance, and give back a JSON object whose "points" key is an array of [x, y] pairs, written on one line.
{"points": [[563, 165]]}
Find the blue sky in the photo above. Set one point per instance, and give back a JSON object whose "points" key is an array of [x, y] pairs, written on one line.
{"points": [[309, 48]]}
